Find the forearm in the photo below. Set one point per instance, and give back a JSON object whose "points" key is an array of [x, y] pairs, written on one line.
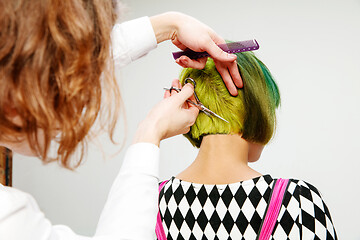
{"points": [[131, 208]]}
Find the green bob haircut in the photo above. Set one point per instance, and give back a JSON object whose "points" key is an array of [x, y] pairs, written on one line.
{"points": [[251, 113]]}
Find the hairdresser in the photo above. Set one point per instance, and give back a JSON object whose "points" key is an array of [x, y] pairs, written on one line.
{"points": [[55, 66]]}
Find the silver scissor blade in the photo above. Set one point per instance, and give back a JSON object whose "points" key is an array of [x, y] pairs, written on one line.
{"points": [[220, 117], [208, 111]]}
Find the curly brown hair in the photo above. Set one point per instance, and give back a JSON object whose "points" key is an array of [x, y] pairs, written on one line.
{"points": [[55, 68]]}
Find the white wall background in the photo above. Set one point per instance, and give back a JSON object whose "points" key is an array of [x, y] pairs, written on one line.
{"points": [[312, 49]]}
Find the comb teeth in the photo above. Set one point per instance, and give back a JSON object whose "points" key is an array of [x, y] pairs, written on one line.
{"points": [[234, 47]]}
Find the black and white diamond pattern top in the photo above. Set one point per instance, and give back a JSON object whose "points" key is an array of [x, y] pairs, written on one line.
{"points": [[235, 211]]}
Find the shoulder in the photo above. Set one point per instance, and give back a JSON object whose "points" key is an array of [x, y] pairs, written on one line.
{"points": [[10, 195], [304, 199], [305, 191], [314, 215], [306, 194], [12, 200], [19, 211], [164, 185]]}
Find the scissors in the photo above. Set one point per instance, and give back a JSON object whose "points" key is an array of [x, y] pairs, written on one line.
{"points": [[198, 104]]}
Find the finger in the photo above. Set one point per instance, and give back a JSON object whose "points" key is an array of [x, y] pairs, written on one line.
{"points": [[189, 104], [180, 63], [192, 113], [174, 83], [193, 63], [186, 92], [227, 79], [235, 74], [192, 98], [217, 53], [167, 94], [186, 130], [186, 104], [178, 44], [216, 38]]}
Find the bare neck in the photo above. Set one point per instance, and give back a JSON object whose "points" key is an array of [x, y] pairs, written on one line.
{"points": [[222, 159]]}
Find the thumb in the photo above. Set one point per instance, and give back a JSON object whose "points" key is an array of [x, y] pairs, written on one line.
{"points": [[191, 115], [193, 112], [186, 92]]}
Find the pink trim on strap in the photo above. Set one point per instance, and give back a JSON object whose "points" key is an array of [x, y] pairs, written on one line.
{"points": [[273, 209], [159, 230]]}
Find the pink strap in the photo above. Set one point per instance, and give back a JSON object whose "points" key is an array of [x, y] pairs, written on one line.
{"points": [[159, 229], [270, 218], [273, 209]]}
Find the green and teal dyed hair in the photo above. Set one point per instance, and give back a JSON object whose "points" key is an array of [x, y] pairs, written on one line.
{"points": [[251, 113]]}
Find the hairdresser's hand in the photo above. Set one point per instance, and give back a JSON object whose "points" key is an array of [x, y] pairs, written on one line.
{"points": [[172, 116], [187, 32]]}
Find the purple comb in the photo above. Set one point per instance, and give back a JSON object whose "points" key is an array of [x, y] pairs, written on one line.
{"points": [[234, 47]]}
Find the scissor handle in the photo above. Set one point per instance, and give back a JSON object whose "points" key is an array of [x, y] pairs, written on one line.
{"points": [[172, 88], [191, 80], [198, 104], [193, 83]]}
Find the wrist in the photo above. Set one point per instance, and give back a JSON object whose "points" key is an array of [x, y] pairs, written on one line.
{"points": [[147, 131], [165, 25]]}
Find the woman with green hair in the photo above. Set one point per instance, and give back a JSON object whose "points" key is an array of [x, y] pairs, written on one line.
{"points": [[219, 196]]}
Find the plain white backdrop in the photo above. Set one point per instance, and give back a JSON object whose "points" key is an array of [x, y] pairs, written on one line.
{"points": [[311, 47]]}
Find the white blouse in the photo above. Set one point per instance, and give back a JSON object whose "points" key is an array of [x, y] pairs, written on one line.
{"points": [[127, 214]]}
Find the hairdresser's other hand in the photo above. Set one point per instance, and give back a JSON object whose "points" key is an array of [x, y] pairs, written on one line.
{"points": [[187, 32], [172, 116]]}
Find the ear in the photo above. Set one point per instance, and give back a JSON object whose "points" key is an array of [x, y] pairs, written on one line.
{"points": [[255, 150]]}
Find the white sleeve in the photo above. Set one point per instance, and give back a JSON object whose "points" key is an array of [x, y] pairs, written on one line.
{"points": [[129, 213], [132, 40]]}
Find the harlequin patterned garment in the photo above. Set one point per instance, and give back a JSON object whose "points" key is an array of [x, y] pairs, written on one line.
{"points": [[235, 211]]}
